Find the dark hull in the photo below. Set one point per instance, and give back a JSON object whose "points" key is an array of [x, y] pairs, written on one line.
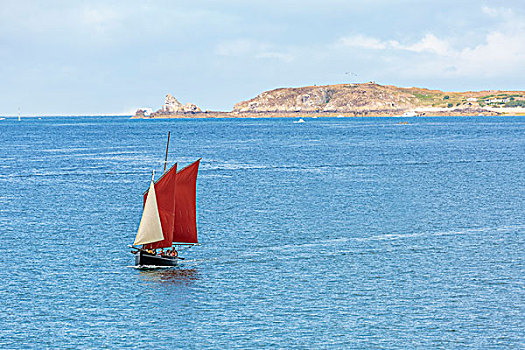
{"points": [[145, 259]]}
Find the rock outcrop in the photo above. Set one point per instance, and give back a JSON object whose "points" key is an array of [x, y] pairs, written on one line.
{"points": [[140, 113], [172, 105], [191, 108]]}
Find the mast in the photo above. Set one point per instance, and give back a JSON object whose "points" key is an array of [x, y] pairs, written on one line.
{"points": [[167, 147]]}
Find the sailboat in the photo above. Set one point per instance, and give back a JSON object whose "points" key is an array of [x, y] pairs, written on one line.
{"points": [[169, 217]]}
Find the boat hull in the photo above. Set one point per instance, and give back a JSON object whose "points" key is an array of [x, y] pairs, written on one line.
{"points": [[146, 259]]}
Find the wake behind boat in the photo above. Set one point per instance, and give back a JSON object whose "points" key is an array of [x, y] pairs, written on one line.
{"points": [[169, 217]]}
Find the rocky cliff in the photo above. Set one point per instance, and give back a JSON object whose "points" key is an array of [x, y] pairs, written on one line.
{"points": [[330, 98], [170, 107], [370, 97]]}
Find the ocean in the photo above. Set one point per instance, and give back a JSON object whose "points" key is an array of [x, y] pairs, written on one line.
{"points": [[336, 233]]}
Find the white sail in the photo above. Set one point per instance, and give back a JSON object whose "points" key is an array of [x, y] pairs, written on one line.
{"points": [[150, 230]]}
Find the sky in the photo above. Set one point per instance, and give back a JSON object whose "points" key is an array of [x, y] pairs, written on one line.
{"points": [[111, 57]]}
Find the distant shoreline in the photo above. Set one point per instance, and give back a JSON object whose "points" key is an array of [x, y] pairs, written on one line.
{"points": [[353, 100], [509, 112], [377, 114], [65, 116]]}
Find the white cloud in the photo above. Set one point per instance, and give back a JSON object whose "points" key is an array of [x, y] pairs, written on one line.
{"points": [[362, 41], [239, 47], [497, 11], [100, 18], [429, 43], [251, 48], [285, 57], [501, 51]]}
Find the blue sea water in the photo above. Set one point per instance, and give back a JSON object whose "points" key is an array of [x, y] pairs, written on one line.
{"points": [[343, 233]]}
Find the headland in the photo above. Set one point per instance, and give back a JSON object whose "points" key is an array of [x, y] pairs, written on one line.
{"points": [[355, 100]]}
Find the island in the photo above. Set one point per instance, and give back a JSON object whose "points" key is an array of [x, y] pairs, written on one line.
{"points": [[355, 100]]}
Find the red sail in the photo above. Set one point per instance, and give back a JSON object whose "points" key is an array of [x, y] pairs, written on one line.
{"points": [[165, 188], [186, 205]]}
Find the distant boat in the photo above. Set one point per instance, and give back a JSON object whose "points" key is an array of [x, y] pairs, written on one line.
{"points": [[2, 118], [19, 115], [169, 217], [410, 114], [299, 121]]}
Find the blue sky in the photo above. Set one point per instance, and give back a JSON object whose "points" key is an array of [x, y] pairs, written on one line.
{"points": [[110, 57]]}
